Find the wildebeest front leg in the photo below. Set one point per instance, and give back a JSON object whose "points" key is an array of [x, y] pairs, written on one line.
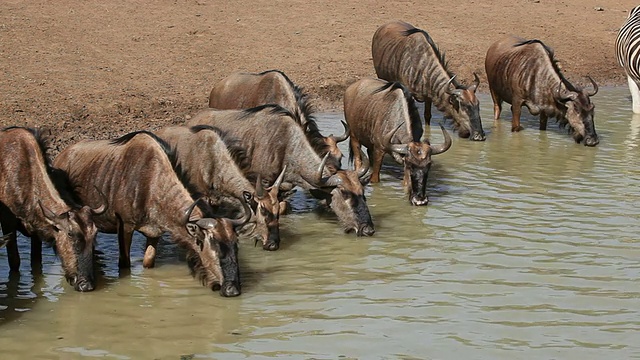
{"points": [[355, 150], [9, 225], [149, 259], [515, 121], [543, 121], [497, 105], [125, 232], [427, 111]]}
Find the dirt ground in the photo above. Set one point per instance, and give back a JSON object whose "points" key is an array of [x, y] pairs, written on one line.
{"points": [[99, 69]]}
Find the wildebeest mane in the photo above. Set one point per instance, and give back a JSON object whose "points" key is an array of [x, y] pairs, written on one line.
{"points": [[436, 50], [275, 109], [552, 59]]}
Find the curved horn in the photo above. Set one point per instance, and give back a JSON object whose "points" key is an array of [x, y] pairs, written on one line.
{"points": [[595, 87], [247, 211], [447, 85], [564, 96], [344, 136], [476, 83], [259, 188], [439, 149], [187, 213], [48, 213], [397, 148], [363, 172], [276, 184], [321, 169], [102, 208]]}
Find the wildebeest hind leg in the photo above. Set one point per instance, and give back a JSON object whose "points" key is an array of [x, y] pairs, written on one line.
{"points": [[497, 106], [355, 152], [149, 259], [376, 157], [515, 121], [36, 251]]}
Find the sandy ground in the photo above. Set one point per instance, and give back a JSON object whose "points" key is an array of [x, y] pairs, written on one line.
{"points": [[96, 69]]}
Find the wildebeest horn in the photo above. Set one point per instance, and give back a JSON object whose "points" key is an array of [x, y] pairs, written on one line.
{"points": [[48, 213], [187, 213], [446, 86], [439, 149], [4, 239], [278, 181], [247, 211], [363, 172], [259, 189], [102, 208], [397, 148], [564, 96], [476, 83], [321, 169], [595, 87], [344, 136]]}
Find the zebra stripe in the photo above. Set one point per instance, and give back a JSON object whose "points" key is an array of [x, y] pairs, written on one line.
{"points": [[628, 45]]}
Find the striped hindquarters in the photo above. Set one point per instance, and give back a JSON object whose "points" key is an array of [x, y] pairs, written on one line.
{"points": [[628, 45]]}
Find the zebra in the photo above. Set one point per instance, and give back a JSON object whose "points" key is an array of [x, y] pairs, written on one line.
{"points": [[628, 54]]}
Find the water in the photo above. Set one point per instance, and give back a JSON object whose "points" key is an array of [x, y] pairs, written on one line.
{"points": [[528, 249]]}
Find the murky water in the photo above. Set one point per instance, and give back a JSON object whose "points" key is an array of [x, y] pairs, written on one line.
{"points": [[529, 248]]}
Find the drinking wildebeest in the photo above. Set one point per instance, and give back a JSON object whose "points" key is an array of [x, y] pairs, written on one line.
{"points": [[525, 72], [247, 90], [31, 202], [136, 173], [383, 118], [409, 55], [273, 139], [212, 172]]}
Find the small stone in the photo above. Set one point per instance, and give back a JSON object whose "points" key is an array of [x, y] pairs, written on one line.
{"points": [[598, 8]]}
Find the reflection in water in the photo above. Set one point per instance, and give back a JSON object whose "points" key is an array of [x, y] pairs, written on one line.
{"points": [[528, 249]]}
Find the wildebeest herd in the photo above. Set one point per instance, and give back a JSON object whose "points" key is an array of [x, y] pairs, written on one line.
{"points": [[236, 163]]}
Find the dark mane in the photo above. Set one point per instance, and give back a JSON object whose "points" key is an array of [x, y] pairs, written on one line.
{"points": [[275, 109], [554, 61], [234, 145], [439, 54]]}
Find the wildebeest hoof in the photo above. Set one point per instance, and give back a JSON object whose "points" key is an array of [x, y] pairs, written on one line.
{"points": [[272, 246], [516, 128]]}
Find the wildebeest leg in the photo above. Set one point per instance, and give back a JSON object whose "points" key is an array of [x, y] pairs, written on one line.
{"points": [[36, 251], [497, 105], [355, 151], [515, 121], [125, 233], [149, 259], [543, 121], [376, 157], [427, 111], [9, 225]]}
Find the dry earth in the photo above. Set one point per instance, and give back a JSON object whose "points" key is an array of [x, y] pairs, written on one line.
{"points": [[96, 69]]}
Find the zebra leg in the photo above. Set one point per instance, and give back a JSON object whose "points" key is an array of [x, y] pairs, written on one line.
{"points": [[635, 95]]}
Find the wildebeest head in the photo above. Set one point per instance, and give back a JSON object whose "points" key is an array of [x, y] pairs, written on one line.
{"points": [[329, 144], [74, 239], [344, 193], [217, 249], [466, 109], [416, 157], [267, 211], [579, 113]]}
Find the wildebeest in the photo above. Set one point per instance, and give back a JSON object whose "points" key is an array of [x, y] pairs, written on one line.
{"points": [[272, 139], [409, 55], [31, 202], [525, 72], [383, 117], [247, 90], [211, 171], [136, 174]]}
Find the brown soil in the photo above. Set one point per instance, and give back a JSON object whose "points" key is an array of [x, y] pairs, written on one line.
{"points": [[98, 69]]}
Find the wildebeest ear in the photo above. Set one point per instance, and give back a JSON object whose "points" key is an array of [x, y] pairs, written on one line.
{"points": [[193, 229]]}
